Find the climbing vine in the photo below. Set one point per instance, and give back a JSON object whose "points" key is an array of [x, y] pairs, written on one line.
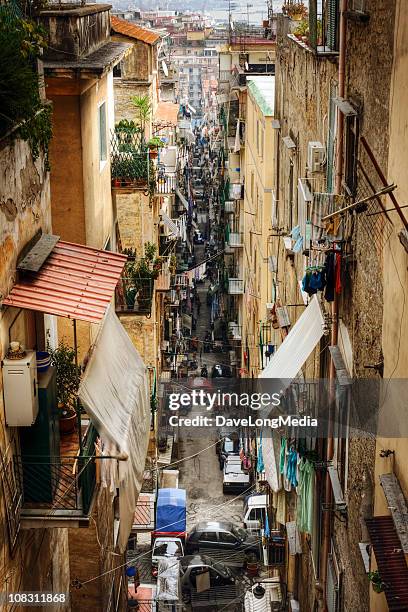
{"points": [[21, 45]]}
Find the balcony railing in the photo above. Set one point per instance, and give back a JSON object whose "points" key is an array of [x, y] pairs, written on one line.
{"points": [[130, 164], [134, 296], [236, 239], [63, 483], [166, 183], [235, 286], [230, 206]]}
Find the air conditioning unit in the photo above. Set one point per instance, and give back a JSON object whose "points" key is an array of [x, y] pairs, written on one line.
{"points": [[20, 390], [358, 6], [316, 154]]}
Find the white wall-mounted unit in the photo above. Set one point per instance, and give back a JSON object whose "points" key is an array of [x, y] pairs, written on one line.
{"points": [[315, 156], [20, 390]]}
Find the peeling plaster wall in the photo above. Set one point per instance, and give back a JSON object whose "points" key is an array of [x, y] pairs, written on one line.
{"points": [[39, 561]]}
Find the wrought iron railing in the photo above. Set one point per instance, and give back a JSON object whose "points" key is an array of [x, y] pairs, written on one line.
{"points": [[235, 239], [166, 183], [129, 158], [134, 295], [58, 482], [235, 286]]}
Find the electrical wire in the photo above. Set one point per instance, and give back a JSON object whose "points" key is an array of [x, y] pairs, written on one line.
{"points": [[82, 583]]}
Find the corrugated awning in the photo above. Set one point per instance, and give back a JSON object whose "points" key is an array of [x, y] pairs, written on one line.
{"points": [[182, 198], [298, 344], [75, 281], [169, 223], [391, 562]]}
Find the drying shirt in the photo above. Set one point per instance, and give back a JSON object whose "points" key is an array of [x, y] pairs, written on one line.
{"points": [[305, 508], [291, 467]]}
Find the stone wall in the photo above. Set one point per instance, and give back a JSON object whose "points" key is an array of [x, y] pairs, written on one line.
{"points": [[39, 559], [92, 553], [303, 83]]}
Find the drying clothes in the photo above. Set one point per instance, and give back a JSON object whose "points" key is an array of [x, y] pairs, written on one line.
{"points": [[305, 507], [260, 467], [283, 464], [338, 273], [329, 268], [291, 467], [279, 503], [271, 461], [306, 284]]}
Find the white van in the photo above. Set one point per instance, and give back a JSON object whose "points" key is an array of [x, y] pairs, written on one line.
{"points": [[255, 509]]}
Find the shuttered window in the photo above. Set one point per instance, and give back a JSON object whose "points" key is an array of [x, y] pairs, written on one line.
{"points": [[332, 7], [330, 139]]}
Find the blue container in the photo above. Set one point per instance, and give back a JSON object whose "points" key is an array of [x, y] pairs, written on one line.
{"points": [[43, 361]]}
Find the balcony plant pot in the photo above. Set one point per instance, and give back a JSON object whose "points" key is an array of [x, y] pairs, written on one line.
{"points": [[153, 153], [67, 420], [116, 182]]}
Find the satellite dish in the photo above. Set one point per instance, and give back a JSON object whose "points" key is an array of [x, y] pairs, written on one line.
{"points": [[165, 69]]}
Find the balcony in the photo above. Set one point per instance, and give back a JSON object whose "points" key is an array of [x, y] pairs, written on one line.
{"points": [[230, 206], [59, 488], [235, 286], [130, 164], [235, 240], [164, 278], [134, 295], [165, 183]]}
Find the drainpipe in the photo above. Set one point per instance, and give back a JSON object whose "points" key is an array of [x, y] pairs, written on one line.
{"points": [[326, 535]]}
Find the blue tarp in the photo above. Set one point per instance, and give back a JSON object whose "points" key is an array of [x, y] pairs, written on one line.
{"points": [[171, 510]]}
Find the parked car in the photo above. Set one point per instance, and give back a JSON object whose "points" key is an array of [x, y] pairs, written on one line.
{"points": [[228, 445], [221, 371], [222, 536], [193, 566], [235, 478], [255, 512]]}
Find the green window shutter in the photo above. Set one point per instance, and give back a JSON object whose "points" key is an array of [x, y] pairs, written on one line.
{"points": [[313, 23], [332, 24]]}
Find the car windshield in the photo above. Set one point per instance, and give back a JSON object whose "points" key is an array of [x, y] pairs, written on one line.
{"points": [[167, 549], [240, 533]]}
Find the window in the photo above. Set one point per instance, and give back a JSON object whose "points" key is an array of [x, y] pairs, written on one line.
{"points": [[350, 145], [227, 538], [208, 536], [117, 70], [261, 146], [102, 133], [330, 139]]}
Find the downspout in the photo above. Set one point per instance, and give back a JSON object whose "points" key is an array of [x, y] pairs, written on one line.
{"points": [[327, 515]]}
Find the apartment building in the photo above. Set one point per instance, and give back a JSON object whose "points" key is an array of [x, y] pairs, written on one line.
{"points": [[67, 525], [334, 149]]}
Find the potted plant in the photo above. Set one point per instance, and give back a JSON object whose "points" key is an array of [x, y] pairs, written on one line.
{"points": [[143, 111], [302, 29], [68, 379], [376, 581], [295, 10], [140, 276], [154, 144]]}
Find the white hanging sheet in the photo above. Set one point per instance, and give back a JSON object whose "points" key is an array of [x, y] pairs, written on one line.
{"points": [[298, 344], [115, 393]]}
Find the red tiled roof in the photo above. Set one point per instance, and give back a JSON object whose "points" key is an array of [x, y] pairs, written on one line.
{"points": [[75, 281], [121, 26]]}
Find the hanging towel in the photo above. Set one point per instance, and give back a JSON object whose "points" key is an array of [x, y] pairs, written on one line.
{"points": [[338, 273], [271, 461], [260, 467], [305, 497], [281, 507], [267, 531]]}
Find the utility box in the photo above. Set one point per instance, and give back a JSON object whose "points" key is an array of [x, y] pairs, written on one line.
{"points": [[20, 390], [316, 154]]}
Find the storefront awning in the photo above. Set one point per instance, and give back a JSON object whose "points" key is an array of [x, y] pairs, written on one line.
{"points": [[75, 281], [169, 223], [298, 345], [119, 407]]}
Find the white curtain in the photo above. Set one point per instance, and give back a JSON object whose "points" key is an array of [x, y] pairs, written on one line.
{"points": [[115, 393], [298, 344], [271, 455]]}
